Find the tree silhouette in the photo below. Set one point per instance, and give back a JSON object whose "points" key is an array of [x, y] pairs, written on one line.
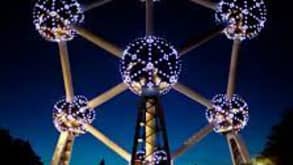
{"points": [[102, 162], [16, 151], [279, 146]]}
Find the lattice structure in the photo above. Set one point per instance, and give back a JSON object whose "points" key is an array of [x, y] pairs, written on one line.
{"points": [[150, 141], [150, 67]]}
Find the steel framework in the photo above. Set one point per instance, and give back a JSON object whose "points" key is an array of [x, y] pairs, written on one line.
{"points": [[62, 153]]}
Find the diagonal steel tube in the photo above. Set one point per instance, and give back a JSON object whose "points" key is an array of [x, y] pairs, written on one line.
{"points": [[67, 151], [206, 3], [193, 95], [104, 139], [66, 71], [197, 41], [238, 150], [95, 5], [118, 89], [195, 138], [61, 143], [99, 41], [233, 68]]}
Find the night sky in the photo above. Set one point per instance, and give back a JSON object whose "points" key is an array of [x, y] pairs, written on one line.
{"points": [[31, 79]]}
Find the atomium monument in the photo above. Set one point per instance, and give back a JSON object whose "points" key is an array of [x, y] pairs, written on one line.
{"points": [[150, 66]]}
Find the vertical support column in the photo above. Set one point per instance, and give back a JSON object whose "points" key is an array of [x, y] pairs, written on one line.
{"points": [[149, 16], [162, 128], [150, 128], [238, 150], [66, 155], [59, 148], [150, 134]]}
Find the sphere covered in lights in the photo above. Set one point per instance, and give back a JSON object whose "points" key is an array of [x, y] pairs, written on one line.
{"points": [[150, 65], [228, 114], [159, 158], [140, 157], [53, 19], [244, 18], [70, 116]]}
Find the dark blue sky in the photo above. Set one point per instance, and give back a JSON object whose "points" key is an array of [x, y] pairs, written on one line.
{"points": [[31, 79]]}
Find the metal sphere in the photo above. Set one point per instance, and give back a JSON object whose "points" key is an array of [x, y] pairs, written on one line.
{"points": [[150, 65], [70, 116], [244, 18], [228, 114], [159, 157], [53, 19], [140, 156]]}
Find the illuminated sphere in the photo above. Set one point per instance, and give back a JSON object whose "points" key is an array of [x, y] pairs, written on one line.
{"points": [[159, 157], [228, 114], [140, 156], [53, 19], [244, 18], [150, 65], [71, 116]]}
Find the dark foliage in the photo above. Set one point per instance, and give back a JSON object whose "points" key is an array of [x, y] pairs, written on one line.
{"points": [[279, 146], [16, 151], [102, 162]]}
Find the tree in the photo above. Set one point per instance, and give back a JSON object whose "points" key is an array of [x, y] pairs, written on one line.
{"points": [[16, 151], [102, 162], [279, 146]]}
